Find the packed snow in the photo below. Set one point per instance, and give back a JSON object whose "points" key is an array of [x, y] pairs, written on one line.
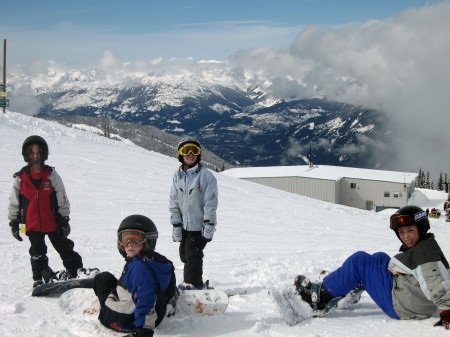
{"points": [[265, 238]]}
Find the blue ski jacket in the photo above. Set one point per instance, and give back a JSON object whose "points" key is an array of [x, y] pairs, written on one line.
{"points": [[142, 280]]}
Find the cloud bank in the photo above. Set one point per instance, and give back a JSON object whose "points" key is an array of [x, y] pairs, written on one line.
{"points": [[400, 65]]}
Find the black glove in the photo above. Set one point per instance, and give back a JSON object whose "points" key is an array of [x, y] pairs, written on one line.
{"points": [[141, 333], [445, 320], [64, 227], [15, 230]]}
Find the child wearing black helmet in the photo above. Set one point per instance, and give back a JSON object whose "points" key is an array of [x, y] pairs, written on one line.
{"points": [[38, 199], [413, 284], [193, 204], [137, 302]]}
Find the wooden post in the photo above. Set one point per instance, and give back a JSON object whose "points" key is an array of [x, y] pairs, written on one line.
{"points": [[4, 72]]}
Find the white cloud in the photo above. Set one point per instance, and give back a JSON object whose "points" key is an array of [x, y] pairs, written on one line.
{"points": [[399, 65]]}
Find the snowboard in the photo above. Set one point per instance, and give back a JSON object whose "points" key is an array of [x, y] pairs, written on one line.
{"points": [[202, 302], [191, 302], [60, 287], [79, 301], [290, 305]]}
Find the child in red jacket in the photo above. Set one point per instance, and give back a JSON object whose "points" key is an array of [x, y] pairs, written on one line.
{"points": [[39, 201]]}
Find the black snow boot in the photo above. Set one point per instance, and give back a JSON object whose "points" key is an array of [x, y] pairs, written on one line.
{"points": [[72, 273], [48, 275], [314, 294], [37, 283]]}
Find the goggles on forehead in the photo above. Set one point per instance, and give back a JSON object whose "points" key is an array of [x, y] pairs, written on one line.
{"points": [[189, 149], [134, 237], [398, 221]]}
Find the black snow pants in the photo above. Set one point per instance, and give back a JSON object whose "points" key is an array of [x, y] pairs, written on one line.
{"points": [[38, 252], [191, 254]]}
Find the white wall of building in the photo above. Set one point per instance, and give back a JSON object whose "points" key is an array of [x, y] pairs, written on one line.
{"points": [[361, 188]]}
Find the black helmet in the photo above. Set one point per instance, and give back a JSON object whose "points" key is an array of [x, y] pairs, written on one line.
{"points": [[186, 140], [143, 224], [35, 140], [410, 215]]}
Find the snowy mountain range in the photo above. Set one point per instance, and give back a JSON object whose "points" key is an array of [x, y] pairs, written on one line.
{"points": [[242, 120]]}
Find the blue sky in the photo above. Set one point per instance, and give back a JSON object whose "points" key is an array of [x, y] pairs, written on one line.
{"points": [[81, 31]]}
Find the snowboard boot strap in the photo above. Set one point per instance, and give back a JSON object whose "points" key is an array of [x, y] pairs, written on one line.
{"points": [[330, 305], [322, 301], [302, 286], [321, 298], [206, 285], [61, 275], [37, 283], [315, 295], [87, 272]]}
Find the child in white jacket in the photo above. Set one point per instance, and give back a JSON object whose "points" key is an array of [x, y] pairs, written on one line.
{"points": [[193, 204]]}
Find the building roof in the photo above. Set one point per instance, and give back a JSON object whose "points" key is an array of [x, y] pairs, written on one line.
{"points": [[325, 172]]}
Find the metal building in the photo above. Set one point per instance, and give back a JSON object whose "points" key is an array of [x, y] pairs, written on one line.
{"points": [[362, 188]]}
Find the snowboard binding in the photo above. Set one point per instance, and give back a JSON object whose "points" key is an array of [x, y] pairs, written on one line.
{"points": [[319, 299], [189, 286]]}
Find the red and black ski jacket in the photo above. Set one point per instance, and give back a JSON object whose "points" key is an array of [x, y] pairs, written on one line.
{"points": [[38, 203]]}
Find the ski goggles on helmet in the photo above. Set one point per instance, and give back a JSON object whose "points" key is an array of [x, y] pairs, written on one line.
{"points": [[189, 149], [130, 236], [399, 220]]}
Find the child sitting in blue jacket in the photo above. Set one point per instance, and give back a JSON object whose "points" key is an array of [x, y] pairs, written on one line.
{"points": [[137, 302]]}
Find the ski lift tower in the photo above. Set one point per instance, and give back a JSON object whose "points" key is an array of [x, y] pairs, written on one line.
{"points": [[4, 102]]}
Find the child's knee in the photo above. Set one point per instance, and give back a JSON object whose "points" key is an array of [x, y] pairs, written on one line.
{"points": [[104, 280], [360, 256]]}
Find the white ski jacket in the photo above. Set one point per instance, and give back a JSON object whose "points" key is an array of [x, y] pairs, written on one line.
{"points": [[421, 280], [193, 198]]}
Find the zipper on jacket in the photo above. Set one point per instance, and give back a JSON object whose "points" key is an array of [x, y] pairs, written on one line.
{"points": [[186, 213], [39, 209]]}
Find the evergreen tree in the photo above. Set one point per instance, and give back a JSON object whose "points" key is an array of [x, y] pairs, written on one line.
{"points": [[447, 210], [428, 181], [419, 179], [423, 180], [440, 183]]}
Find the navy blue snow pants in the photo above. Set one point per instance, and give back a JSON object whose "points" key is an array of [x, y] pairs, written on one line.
{"points": [[366, 271]]}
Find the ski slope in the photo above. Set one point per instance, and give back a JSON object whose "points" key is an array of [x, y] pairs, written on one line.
{"points": [[264, 238]]}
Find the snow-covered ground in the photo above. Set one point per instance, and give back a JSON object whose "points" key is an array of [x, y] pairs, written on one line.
{"points": [[265, 237]]}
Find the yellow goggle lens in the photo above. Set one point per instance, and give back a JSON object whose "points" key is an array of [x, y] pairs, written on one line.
{"points": [[189, 149]]}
